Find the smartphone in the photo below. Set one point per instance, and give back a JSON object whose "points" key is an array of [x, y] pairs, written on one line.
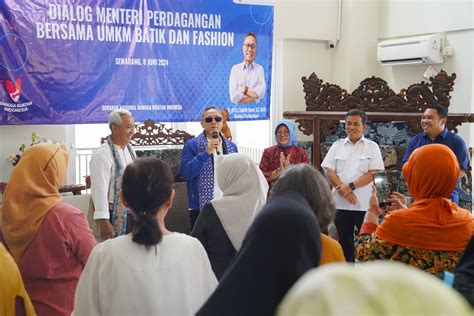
{"points": [[384, 189]]}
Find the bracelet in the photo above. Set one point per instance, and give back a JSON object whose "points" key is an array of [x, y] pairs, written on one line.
{"points": [[246, 89], [352, 186]]}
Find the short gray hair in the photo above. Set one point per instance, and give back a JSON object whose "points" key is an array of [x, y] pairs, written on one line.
{"points": [[115, 117], [211, 107], [313, 186]]}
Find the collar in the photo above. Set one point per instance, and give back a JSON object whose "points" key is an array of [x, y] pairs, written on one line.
{"points": [[443, 133], [250, 66], [362, 139]]}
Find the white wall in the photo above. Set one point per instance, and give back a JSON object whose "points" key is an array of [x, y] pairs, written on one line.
{"points": [[11, 138]]}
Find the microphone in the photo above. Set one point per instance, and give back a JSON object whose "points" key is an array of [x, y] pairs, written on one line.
{"points": [[215, 135]]}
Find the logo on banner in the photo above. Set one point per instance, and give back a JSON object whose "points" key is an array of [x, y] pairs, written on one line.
{"points": [[14, 89]]}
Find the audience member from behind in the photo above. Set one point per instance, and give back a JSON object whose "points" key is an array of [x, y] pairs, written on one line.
{"points": [[371, 289], [49, 240], [223, 222], [282, 244], [166, 273], [463, 277], [12, 288], [197, 160], [432, 232], [286, 152], [109, 217], [312, 185]]}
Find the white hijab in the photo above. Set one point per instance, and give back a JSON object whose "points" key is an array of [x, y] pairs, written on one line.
{"points": [[244, 190]]}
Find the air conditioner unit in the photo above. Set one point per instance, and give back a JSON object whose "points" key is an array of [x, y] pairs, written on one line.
{"points": [[425, 49]]}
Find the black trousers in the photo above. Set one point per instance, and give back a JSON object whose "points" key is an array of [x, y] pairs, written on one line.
{"points": [[345, 222]]}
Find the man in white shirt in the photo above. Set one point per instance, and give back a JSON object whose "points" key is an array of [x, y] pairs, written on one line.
{"points": [[107, 164], [349, 165], [247, 79]]}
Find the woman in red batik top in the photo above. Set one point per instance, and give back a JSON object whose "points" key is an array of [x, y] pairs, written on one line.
{"points": [[277, 158]]}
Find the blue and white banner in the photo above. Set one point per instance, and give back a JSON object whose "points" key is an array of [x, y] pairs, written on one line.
{"points": [[73, 61]]}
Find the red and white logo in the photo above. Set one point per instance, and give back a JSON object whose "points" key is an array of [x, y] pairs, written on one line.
{"points": [[14, 89]]}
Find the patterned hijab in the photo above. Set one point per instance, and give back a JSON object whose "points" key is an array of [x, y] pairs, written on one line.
{"points": [[432, 221], [31, 192], [293, 137]]}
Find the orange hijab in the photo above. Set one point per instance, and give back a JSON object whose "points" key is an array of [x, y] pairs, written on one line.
{"points": [[432, 221], [31, 192]]}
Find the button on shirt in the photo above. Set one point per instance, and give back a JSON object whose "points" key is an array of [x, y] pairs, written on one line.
{"points": [[102, 169], [251, 76], [450, 139], [351, 161]]}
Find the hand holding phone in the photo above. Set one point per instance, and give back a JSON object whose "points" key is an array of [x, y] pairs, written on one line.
{"points": [[384, 188]]}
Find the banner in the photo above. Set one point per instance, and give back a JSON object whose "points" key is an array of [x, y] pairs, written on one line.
{"points": [[72, 62]]}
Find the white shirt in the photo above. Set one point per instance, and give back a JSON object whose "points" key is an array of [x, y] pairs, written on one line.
{"points": [[251, 76], [122, 277], [351, 161], [102, 171]]}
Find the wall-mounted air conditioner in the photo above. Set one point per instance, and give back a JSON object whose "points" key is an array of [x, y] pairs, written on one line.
{"points": [[425, 49]]}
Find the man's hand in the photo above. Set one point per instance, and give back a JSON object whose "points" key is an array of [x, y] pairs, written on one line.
{"points": [[343, 189], [212, 144], [106, 229], [351, 198]]}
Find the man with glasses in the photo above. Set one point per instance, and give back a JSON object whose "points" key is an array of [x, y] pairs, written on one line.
{"points": [[107, 164], [247, 79], [197, 162], [433, 122]]}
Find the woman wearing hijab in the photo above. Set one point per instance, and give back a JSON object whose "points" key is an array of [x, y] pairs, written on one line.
{"points": [[12, 288], [463, 277], [312, 185], [277, 158], [371, 289], [222, 223], [49, 240], [432, 232], [282, 243], [150, 271]]}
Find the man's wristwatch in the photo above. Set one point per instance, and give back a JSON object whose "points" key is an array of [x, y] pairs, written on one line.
{"points": [[352, 186], [246, 89]]}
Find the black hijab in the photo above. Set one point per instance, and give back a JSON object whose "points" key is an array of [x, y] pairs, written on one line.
{"points": [[464, 273], [282, 243]]}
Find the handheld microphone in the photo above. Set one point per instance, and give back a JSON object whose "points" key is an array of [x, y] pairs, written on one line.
{"points": [[215, 135]]}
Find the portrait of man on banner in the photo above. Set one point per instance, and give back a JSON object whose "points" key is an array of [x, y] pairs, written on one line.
{"points": [[247, 79]]}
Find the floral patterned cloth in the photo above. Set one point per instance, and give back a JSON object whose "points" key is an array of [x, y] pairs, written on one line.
{"points": [[371, 247], [271, 158]]}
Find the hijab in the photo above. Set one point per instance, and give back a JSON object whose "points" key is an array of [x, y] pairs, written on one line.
{"points": [[244, 190], [371, 288], [31, 192], [432, 221], [293, 137], [282, 244]]}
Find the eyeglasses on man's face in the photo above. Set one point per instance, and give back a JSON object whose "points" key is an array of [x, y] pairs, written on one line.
{"points": [[250, 46], [217, 119]]}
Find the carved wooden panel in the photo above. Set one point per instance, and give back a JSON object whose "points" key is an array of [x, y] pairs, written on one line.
{"points": [[150, 133], [374, 95]]}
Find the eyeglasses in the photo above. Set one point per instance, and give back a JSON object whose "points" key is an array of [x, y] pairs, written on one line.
{"points": [[217, 119], [283, 133], [47, 164], [250, 46]]}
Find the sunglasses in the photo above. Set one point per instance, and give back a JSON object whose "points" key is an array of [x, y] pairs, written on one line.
{"points": [[217, 119]]}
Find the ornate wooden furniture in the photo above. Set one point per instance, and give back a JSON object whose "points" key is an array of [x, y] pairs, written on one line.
{"points": [[327, 103]]}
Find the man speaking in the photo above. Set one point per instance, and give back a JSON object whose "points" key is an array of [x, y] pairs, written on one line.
{"points": [[197, 163]]}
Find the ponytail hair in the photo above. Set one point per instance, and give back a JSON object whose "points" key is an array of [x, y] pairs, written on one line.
{"points": [[146, 186]]}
